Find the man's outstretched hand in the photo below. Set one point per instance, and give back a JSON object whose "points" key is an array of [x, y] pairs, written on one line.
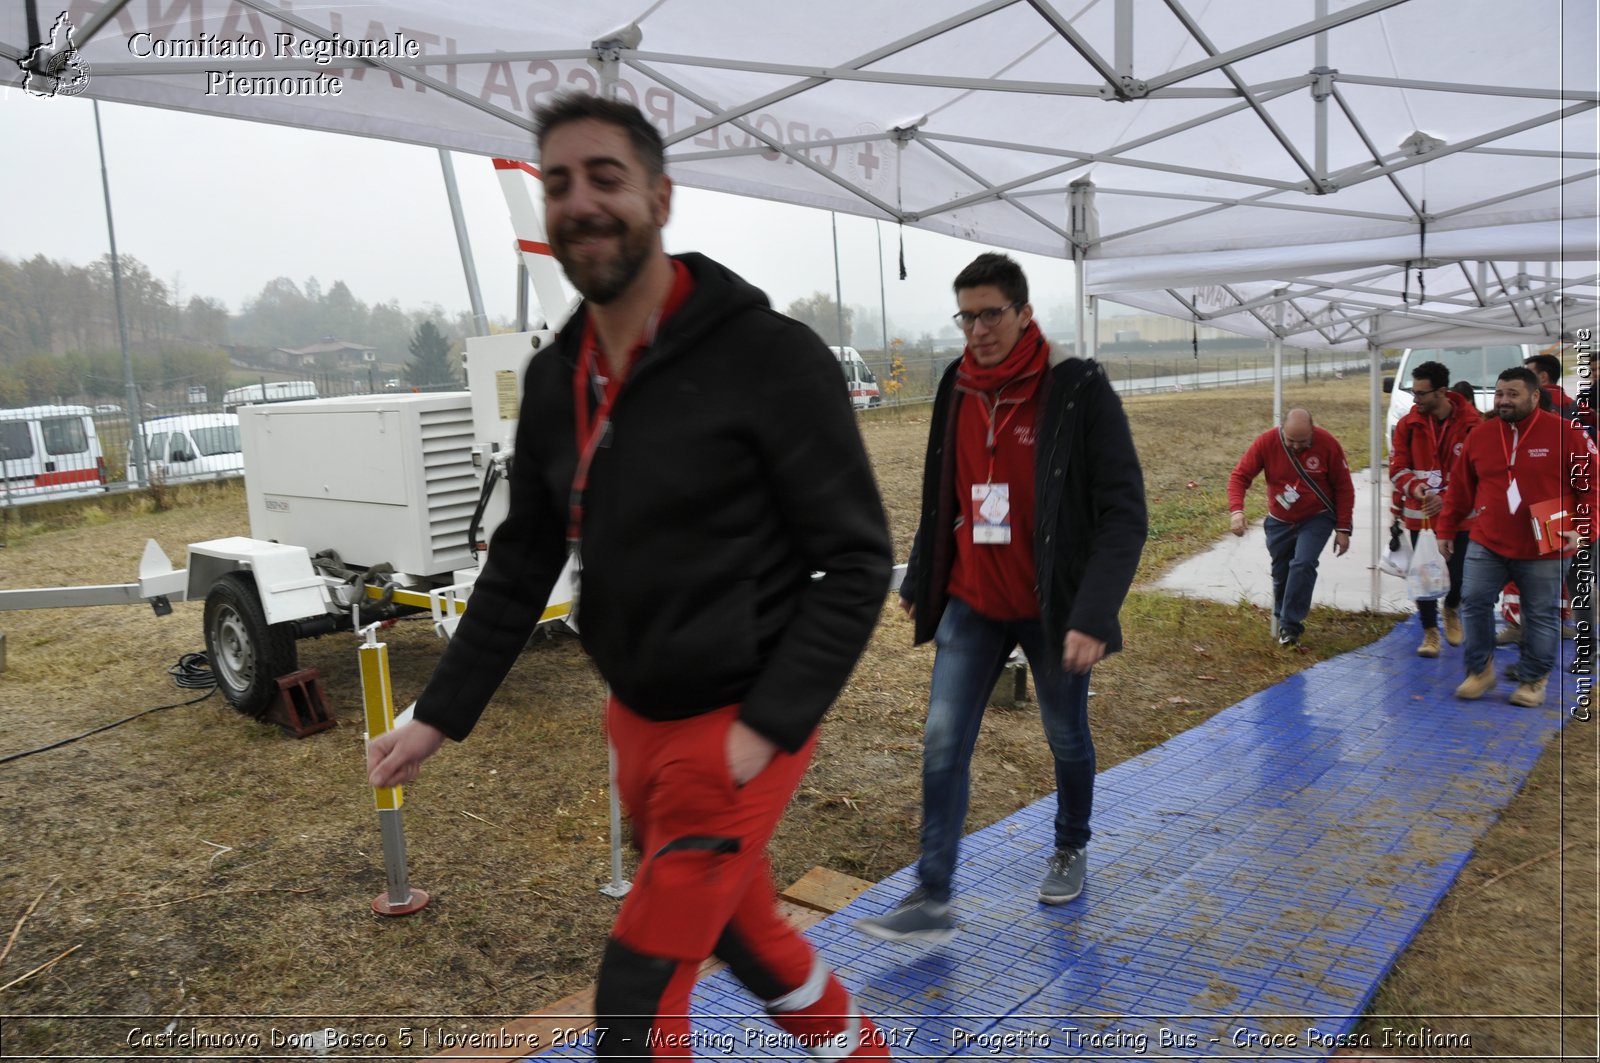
{"points": [[395, 757]]}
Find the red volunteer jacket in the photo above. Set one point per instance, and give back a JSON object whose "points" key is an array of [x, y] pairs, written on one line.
{"points": [[1424, 450], [1289, 497], [1548, 458]]}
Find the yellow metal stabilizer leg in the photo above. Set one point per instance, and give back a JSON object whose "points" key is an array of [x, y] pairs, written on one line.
{"points": [[378, 700]]}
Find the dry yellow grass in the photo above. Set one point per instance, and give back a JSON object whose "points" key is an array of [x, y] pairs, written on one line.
{"points": [[201, 863]]}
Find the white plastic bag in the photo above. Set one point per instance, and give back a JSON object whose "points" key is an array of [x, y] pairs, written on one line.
{"points": [[1428, 576], [1396, 559]]}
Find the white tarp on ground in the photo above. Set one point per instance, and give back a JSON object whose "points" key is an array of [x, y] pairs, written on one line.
{"points": [[1235, 146]]}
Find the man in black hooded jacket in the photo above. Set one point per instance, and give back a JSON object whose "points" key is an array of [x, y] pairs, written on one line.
{"points": [[695, 453]]}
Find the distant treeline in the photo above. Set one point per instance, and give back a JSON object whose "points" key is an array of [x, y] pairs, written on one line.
{"points": [[58, 329]]}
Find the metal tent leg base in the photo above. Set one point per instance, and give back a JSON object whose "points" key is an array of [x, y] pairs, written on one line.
{"points": [[415, 901]]}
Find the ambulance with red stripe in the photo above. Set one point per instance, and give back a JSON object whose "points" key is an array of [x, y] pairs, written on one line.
{"points": [[49, 452], [858, 378]]}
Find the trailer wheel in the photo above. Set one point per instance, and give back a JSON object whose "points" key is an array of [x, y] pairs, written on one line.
{"points": [[247, 654]]}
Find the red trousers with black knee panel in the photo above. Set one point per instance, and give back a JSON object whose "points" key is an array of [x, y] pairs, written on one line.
{"points": [[704, 888]]}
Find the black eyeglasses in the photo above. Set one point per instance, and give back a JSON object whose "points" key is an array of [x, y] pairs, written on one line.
{"points": [[965, 319], [1415, 394]]}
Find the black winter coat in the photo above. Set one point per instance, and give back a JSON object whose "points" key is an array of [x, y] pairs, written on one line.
{"points": [[734, 471], [1089, 512]]}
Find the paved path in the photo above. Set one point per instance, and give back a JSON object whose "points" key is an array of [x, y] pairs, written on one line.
{"points": [[1237, 568]]}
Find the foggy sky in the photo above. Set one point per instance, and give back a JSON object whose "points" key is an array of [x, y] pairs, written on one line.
{"points": [[218, 207]]}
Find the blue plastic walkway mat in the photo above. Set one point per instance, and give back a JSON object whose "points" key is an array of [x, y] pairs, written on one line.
{"points": [[1251, 881]]}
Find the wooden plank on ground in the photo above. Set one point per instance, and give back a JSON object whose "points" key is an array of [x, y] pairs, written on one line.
{"points": [[804, 904], [825, 890]]}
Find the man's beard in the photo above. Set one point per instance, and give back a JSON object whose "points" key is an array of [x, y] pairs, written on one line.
{"points": [[602, 280]]}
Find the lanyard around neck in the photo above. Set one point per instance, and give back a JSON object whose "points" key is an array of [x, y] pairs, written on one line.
{"points": [[594, 430], [1511, 450]]}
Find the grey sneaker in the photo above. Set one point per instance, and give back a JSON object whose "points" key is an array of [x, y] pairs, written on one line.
{"points": [[917, 918], [1064, 881]]}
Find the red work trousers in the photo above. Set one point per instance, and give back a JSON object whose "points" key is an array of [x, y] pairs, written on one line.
{"points": [[704, 887]]}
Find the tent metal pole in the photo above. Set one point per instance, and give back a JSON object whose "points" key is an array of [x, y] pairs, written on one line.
{"points": [[480, 320], [838, 282], [1375, 461], [1277, 362], [522, 295], [1319, 93], [1123, 54], [141, 467], [1081, 345], [883, 298], [1092, 323]]}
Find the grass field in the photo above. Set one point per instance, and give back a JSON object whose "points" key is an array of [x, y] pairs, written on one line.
{"points": [[191, 862]]}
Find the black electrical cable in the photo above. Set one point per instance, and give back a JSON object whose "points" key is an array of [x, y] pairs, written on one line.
{"points": [[192, 672], [490, 478]]}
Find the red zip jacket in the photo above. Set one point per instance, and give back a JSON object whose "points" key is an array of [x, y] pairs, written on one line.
{"points": [[1323, 461], [1548, 457], [1424, 450]]}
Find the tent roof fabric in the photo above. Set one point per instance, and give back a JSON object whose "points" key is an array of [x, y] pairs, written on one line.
{"points": [[1385, 169]]}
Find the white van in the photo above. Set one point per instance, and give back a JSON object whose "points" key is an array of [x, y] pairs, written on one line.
{"points": [[49, 452], [192, 447], [1478, 365], [271, 391], [858, 379]]}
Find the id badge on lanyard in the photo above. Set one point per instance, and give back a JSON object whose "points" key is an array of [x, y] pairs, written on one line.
{"points": [[991, 514], [1513, 492]]}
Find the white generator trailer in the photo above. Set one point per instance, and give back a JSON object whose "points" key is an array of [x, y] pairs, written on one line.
{"points": [[361, 509]]}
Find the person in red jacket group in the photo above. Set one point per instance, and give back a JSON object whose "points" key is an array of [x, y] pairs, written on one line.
{"points": [[1512, 475], [1427, 441], [1310, 497]]}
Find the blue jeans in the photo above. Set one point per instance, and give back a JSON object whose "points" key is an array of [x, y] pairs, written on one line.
{"points": [[971, 652], [1539, 585], [1294, 549]]}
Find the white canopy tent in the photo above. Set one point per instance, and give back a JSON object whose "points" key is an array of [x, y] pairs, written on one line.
{"points": [[1399, 168], [1333, 173]]}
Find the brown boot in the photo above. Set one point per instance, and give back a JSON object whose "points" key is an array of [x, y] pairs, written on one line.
{"points": [[1477, 684], [1509, 635], [1530, 695], [1430, 643], [1452, 625]]}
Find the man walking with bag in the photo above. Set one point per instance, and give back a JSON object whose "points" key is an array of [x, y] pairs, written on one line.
{"points": [[1427, 441], [1527, 482], [1310, 497]]}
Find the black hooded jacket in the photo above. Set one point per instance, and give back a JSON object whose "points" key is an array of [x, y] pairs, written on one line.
{"points": [[734, 471], [1089, 511]]}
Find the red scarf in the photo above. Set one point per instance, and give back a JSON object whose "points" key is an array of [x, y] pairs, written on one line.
{"points": [[1027, 359], [996, 411]]}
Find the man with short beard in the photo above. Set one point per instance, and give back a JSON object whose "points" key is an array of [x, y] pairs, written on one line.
{"points": [[695, 454], [1511, 471]]}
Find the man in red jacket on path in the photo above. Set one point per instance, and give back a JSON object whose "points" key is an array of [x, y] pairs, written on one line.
{"points": [[1511, 475], [1310, 496], [1427, 441]]}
